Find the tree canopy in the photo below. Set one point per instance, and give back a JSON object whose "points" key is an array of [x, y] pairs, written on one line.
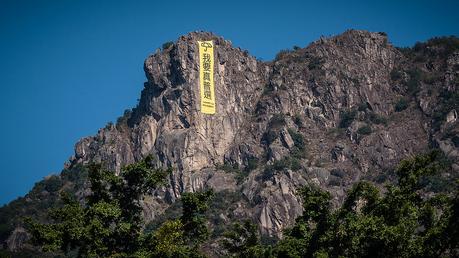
{"points": [[109, 221], [405, 221]]}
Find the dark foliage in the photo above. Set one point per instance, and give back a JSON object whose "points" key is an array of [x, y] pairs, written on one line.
{"points": [[110, 223], [413, 83], [401, 105], [167, 45], [377, 119], [338, 172], [364, 130], [282, 54], [347, 117], [404, 222], [315, 63], [193, 217], [362, 106], [396, 75]]}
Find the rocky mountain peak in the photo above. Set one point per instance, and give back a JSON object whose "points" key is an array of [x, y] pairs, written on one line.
{"points": [[328, 114]]}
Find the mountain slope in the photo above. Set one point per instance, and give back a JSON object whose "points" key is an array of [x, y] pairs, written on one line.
{"points": [[345, 108]]}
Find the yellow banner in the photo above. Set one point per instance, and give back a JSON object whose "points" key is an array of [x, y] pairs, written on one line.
{"points": [[206, 76]]}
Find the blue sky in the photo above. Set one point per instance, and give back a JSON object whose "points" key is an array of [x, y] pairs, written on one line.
{"points": [[69, 67]]}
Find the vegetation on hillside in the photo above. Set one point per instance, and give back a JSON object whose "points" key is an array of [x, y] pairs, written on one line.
{"points": [[408, 220], [402, 222], [110, 224]]}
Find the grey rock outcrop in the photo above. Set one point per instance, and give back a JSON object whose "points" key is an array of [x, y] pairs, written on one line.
{"points": [[315, 84], [17, 239]]}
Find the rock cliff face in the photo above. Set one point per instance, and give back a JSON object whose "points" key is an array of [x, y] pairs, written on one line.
{"points": [[345, 108], [338, 96]]}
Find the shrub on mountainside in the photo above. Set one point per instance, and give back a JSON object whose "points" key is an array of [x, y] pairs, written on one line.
{"points": [[364, 130], [347, 117], [167, 45], [401, 105]]}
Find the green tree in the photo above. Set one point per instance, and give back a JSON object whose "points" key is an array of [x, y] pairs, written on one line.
{"points": [[168, 241], [405, 221], [243, 240], [347, 117], [167, 45], [110, 222], [193, 216]]}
